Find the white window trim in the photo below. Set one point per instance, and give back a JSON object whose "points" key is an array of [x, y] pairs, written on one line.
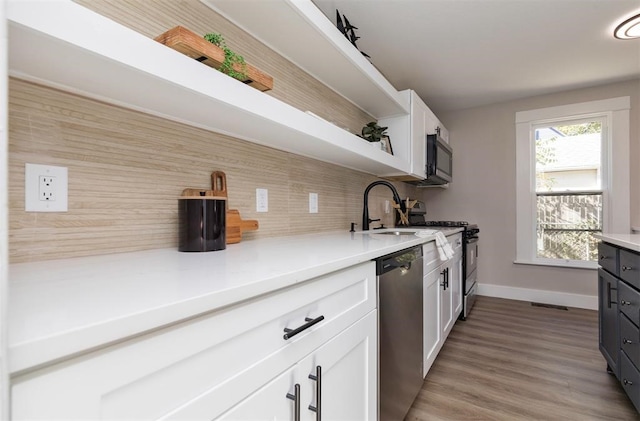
{"points": [[615, 183]]}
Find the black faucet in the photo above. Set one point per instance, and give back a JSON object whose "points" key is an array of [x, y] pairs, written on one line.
{"points": [[365, 211]]}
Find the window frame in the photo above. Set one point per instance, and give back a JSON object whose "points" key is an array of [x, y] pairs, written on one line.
{"points": [[615, 172]]}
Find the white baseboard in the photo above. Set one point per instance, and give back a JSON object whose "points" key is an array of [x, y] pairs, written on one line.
{"points": [[589, 302]]}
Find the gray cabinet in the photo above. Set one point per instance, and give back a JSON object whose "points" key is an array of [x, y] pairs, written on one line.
{"points": [[619, 315], [608, 318]]}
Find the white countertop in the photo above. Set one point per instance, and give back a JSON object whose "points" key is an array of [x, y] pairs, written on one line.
{"points": [[59, 308], [628, 241]]}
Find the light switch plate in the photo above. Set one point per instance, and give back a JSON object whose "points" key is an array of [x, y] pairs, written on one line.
{"points": [[262, 200], [313, 202], [45, 188]]}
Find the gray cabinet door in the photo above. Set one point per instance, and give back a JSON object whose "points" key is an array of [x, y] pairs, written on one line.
{"points": [[608, 318]]}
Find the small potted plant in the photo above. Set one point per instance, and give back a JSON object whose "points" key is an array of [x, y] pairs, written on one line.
{"points": [[373, 133], [234, 64]]}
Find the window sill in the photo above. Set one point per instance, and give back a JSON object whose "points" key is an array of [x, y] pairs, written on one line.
{"points": [[571, 264]]}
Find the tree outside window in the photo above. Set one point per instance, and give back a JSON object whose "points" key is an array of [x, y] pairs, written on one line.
{"points": [[568, 172]]}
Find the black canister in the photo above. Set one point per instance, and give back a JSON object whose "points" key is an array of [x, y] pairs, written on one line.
{"points": [[202, 221]]}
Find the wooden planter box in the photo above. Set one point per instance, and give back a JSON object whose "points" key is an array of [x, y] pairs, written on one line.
{"points": [[196, 47]]}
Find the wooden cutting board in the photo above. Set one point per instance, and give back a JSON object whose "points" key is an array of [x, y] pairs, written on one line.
{"points": [[236, 226]]}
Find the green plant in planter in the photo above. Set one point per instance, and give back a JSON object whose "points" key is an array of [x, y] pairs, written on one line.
{"points": [[372, 132], [230, 58]]}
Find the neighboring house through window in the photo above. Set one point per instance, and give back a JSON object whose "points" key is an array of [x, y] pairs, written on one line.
{"points": [[572, 180]]}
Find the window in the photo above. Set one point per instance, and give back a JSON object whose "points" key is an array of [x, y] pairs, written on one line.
{"points": [[572, 180], [568, 171]]}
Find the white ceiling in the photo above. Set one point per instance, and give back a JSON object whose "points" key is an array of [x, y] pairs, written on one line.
{"points": [[459, 54]]}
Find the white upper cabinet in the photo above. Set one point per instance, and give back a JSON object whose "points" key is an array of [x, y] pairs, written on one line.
{"points": [[414, 128], [66, 46]]}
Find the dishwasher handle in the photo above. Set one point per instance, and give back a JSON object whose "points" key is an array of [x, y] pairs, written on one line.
{"points": [[402, 260]]}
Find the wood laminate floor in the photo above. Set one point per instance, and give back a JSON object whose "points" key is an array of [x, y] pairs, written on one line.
{"points": [[513, 361]]}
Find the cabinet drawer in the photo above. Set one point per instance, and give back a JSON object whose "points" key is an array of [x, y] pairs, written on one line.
{"points": [[456, 242], [431, 258], [608, 257], [629, 302], [630, 379], [630, 267], [150, 376], [629, 338]]}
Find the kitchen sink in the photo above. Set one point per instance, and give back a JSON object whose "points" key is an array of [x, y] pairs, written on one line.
{"points": [[391, 231], [396, 232]]}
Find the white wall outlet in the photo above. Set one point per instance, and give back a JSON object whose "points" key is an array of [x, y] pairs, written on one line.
{"points": [[313, 202], [262, 200], [47, 185], [45, 188], [387, 207]]}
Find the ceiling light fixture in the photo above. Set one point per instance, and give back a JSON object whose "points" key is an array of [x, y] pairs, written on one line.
{"points": [[628, 29]]}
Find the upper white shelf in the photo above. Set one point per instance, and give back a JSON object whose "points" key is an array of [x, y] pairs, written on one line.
{"points": [[299, 31], [64, 45]]}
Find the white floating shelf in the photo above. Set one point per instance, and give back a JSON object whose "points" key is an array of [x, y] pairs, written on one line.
{"points": [[66, 46], [299, 31]]}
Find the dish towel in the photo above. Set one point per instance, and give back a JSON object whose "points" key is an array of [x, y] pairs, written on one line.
{"points": [[442, 244], [444, 248]]}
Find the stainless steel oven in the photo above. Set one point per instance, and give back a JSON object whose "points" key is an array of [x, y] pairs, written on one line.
{"points": [[470, 266], [470, 256]]}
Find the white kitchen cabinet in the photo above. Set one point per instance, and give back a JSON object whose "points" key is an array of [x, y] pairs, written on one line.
{"points": [[452, 289], [442, 295], [200, 368], [349, 373], [416, 126], [347, 367], [431, 320], [446, 300], [146, 76]]}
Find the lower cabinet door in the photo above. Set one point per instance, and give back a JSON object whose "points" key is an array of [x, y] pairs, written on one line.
{"points": [[630, 379], [431, 318], [608, 319], [446, 301], [629, 339], [340, 378], [275, 401]]}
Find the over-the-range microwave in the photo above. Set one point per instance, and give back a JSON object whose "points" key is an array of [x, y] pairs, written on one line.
{"points": [[439, 162]]}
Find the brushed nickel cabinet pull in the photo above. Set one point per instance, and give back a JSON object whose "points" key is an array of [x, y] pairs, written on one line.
{"points": [[318, 378], [296, 401], [627, 382], [290, 333]]}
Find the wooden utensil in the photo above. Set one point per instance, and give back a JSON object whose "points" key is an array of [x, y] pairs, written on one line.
{"points": [[236, 226], [219, 183]]}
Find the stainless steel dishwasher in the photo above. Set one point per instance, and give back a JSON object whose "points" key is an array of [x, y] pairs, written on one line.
{"points": [[399, 331]]}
